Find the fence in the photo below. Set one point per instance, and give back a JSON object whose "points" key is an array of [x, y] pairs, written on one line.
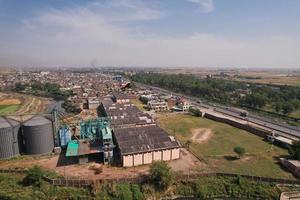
{"points": [[143, 178]]}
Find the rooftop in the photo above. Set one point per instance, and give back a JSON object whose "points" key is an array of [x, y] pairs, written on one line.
{"points": [[143, 139]]}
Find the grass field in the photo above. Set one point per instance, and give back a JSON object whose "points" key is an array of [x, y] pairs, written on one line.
{"points": [[8, 109], [261, 158]]}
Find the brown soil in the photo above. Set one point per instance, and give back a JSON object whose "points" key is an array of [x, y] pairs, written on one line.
{"points": [[201, 135], [185, 165], [10, 102]]}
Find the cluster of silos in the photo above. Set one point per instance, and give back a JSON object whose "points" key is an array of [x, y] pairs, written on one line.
{"points": [[35, 136]]}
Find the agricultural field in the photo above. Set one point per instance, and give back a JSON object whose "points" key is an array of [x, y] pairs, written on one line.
{"points": [[213, 143], [8, 109], [13, 103]]}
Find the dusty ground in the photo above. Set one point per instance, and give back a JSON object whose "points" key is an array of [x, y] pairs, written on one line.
{"points": [[10, 101], [28, 104], [201, 135], [186, 164]]}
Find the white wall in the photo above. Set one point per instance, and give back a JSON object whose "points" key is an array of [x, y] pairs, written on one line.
{"points": [[128, 161], [137, 159], [166, 155], [147, 158]]}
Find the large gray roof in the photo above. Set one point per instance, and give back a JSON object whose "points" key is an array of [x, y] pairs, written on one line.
{"points": [[143, 139]]}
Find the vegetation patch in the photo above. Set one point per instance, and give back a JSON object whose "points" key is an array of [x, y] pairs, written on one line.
{"points": [[8, 109]]}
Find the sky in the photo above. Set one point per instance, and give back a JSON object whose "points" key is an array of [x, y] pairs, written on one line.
{"points": [[150, 33]]}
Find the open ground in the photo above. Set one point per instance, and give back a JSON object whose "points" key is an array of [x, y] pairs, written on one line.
{"points": [[216, 152], [14, 103], [186, 164]]}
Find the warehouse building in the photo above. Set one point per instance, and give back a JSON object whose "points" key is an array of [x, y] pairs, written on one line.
{"points": [[124, 115], [144, 145]]}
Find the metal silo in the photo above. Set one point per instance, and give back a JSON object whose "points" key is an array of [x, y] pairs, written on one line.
{"points": [[9, 138], [38, 135]]}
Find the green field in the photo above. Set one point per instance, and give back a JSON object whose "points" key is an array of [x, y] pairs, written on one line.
{"points": [[261, 158], [8, 109], [295, 114]]}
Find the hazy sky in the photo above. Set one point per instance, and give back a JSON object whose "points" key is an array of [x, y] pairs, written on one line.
{"points": [[204, 33]]}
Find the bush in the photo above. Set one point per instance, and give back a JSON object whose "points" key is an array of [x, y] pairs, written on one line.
{"points": [[124, 192], [161, 175], [34, 177], [136, 192]]}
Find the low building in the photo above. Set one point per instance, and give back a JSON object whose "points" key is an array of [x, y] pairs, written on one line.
{"points": [[158, 105], [184, 105], [144, 145]]}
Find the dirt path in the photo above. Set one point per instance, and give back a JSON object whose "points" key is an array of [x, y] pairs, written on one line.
{"points": [[201, 135]]}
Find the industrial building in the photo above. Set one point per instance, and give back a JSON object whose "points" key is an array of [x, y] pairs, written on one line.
{"points": [[120, 98], [124, 115], [144, 145], [95, 138]]}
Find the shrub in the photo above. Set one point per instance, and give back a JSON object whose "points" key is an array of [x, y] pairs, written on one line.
{"points": [[161, 175], [34, 176], [124, 192], [136, 192]]}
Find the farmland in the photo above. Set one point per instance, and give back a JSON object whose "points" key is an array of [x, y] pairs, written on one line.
{"points": [[8, 109]]}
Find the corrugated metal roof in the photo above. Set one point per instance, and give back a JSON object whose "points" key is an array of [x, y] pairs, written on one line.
{"points": [[143, 139]]}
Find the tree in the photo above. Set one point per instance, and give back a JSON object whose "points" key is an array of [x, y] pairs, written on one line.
{"points": [[294, 150], [19, 87], [196, 112], [277, 107], [161, 175], [34, 176], [240, 151], [287, 108]]}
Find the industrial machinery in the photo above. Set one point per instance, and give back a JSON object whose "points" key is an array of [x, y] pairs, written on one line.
{"points": [[95, 137]]}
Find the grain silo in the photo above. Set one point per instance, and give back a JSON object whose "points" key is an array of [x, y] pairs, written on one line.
{"points": [[9, 138], [38, 135]]}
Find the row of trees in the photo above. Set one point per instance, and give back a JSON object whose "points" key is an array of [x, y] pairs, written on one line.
{"points": [[281, 99], [43, 89]]}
